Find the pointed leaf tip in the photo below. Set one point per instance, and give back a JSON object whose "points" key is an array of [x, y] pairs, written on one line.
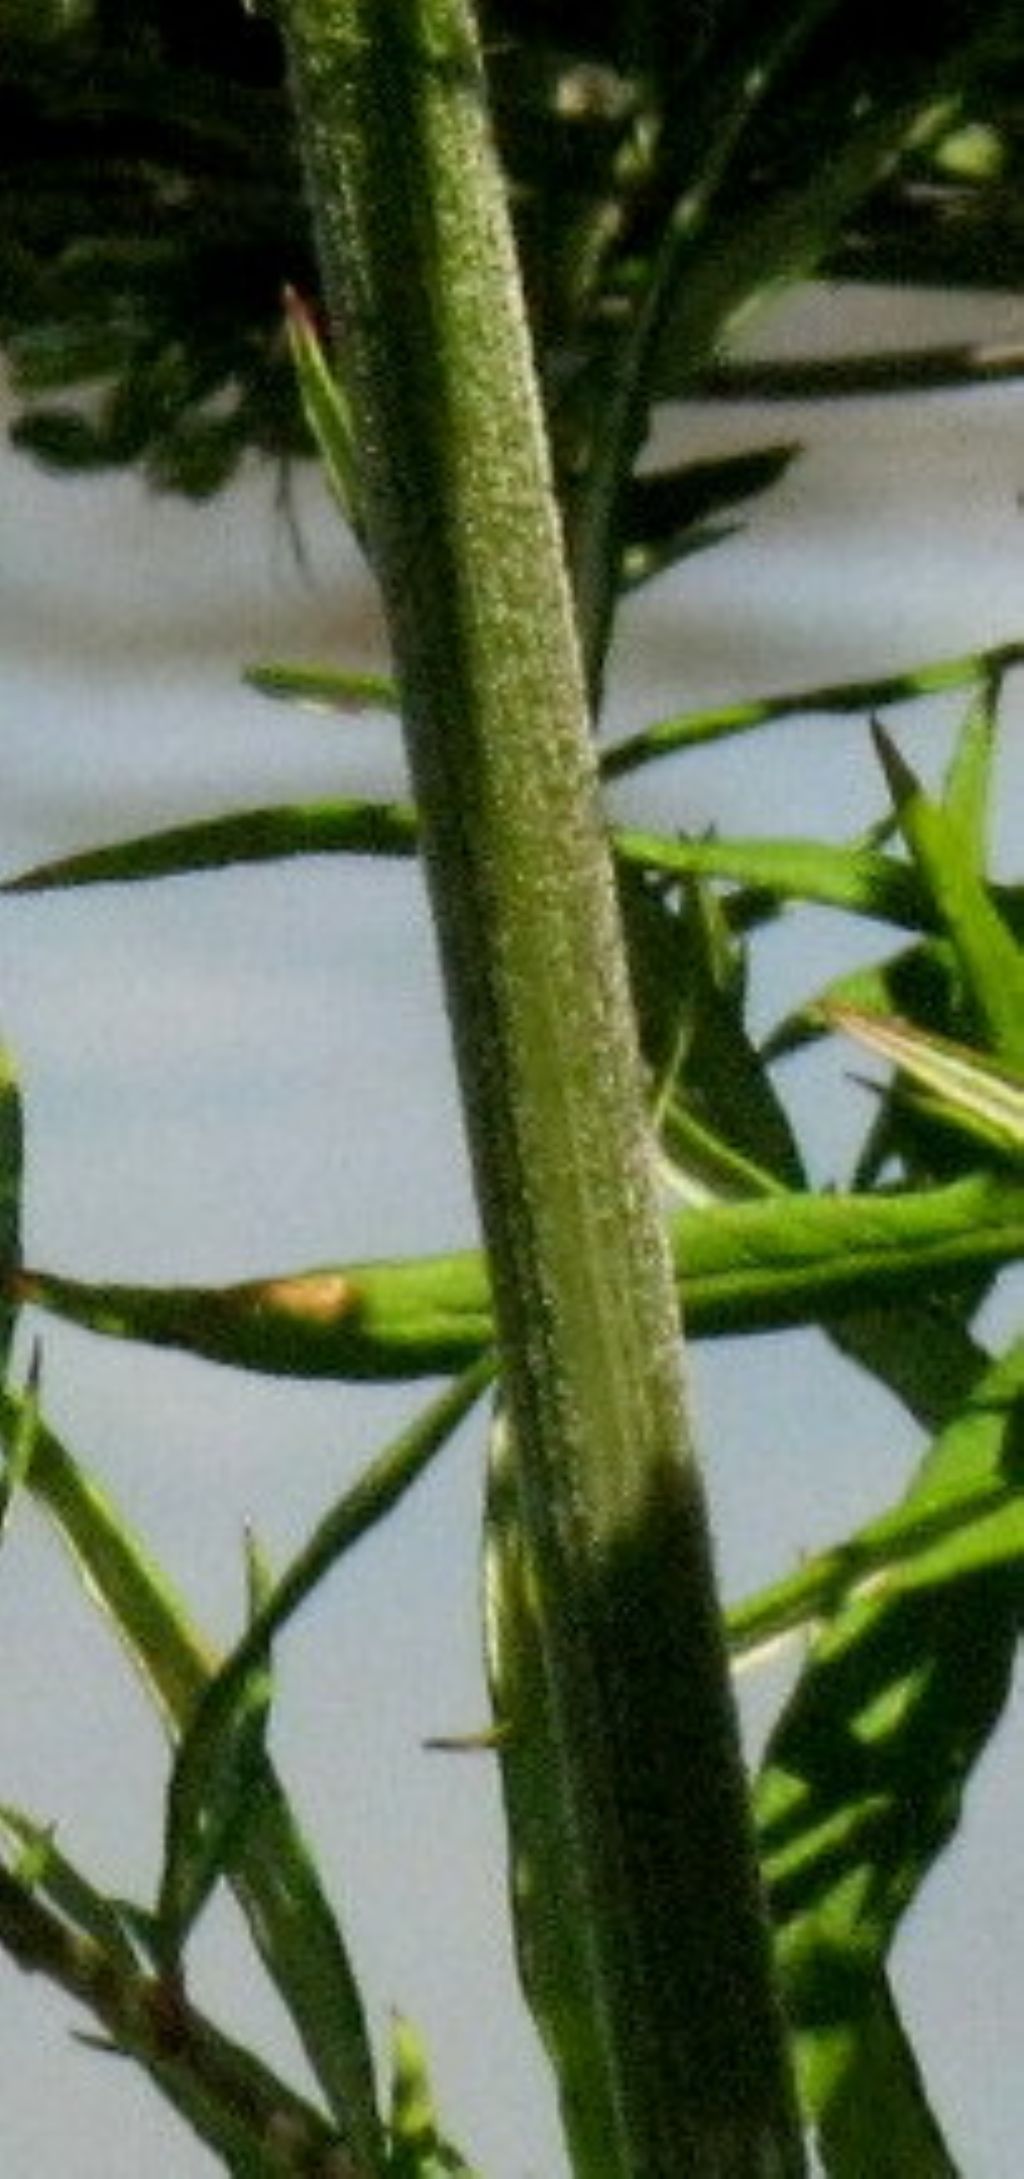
{"points": [[902, 781]]}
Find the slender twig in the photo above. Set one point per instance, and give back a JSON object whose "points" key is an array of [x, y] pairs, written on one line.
{"points": [[233, 2101], [953, 365], [843, 697]]}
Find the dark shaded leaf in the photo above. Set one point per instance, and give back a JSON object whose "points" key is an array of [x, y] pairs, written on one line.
{"points": [[864, 1777]]}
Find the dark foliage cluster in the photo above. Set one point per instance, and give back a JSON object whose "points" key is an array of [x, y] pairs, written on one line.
{"points": [[152, 200], [150, 216]]}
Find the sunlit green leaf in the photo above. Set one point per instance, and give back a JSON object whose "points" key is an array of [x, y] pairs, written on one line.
{"points": [[116, 1572], [419, 2150], [990, 958], [742, 1266], [325, 688], [967, 786], [858, 879]]}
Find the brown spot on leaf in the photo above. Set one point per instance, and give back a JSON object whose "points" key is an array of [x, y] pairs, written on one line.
{"points": [[314, 1297]]}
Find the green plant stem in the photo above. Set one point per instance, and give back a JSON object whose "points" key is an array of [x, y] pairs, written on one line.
{"points": [[422, 282], [245, 2115], [273, 1876]]}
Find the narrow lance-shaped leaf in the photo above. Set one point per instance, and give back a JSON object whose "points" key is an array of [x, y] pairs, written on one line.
{"points": [[967, 786], [922, 1351], [326, 410], [838, 699], [942, 365], [742, 262], [325, 688], [117, 1574], [250, 836], [858, 879], [989, 956], [672, 513], [742, 1267], [923, 984], [209, 1804]]}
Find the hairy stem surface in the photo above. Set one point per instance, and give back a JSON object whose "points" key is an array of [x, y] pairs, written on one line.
{"points": [[462, 523]]}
